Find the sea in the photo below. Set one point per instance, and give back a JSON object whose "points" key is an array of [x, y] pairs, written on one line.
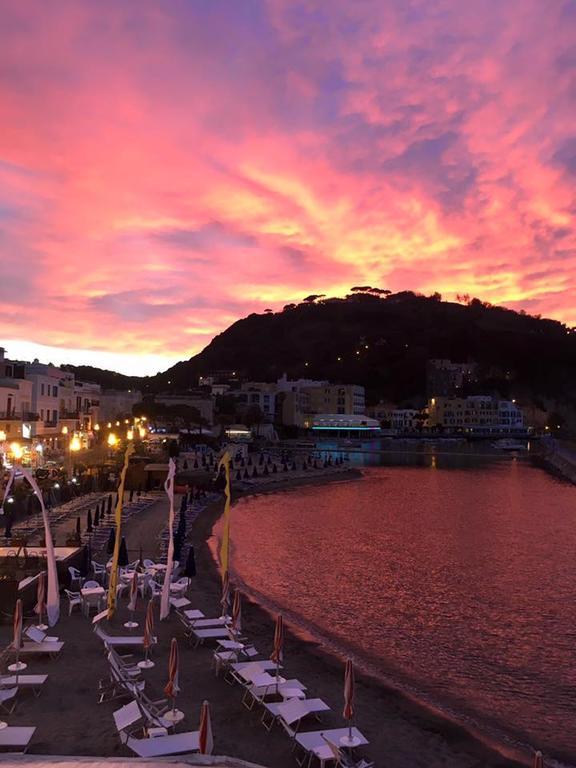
{"points": [[448, 574]]}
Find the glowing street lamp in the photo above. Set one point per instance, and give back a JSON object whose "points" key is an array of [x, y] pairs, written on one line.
{"points": [[97, 427], [64, 430], [75, 444], [130, 434], [142, 433], [112, 439], [16, 450]]}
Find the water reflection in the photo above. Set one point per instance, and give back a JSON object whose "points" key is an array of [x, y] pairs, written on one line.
{"points": [[455, 573]]}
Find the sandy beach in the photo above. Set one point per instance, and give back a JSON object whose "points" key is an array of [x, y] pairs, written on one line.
{"points": [[70, 722]]}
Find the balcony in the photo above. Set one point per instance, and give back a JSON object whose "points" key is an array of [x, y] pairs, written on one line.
{"points": [[12, 416]]}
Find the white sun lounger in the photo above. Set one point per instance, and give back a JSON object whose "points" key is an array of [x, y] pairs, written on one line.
{"points": [[127, 716], [314, 743], [15, 739], [115, 641], [265, 685], [45, 648], [160, 746], [193, 614], [210, 623], [35, 682], [217, 633], [37, 636], [288, 714], [8, 699]]}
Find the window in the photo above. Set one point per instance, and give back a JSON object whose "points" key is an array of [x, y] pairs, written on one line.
{"points": [[54, 391], [41, 389], [55, 415], [42, 414]]}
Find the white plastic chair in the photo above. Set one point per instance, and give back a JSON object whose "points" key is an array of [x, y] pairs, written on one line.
{"points": [[75, 576], [74, 598]]}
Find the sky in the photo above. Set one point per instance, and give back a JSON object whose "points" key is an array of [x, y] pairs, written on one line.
{"points": [[169, 167]]}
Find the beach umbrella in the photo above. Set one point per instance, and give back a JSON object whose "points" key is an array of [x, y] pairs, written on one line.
{"points": [[97, 517], [8, 528], [109, 508], [255, 472], [123, 554], [133, 600], [190, 569], [237, 613], [182, 526], [348, 713], [277, 650], [225, 599], [17, 637], [538, 760], [261, 459], [111, 541], [131, 497], [245, 474], [172, 688], [177, 546], [274, 468], [40, 607], [89, 522], [238, 475], [205, 739], [249, 462], [140, 566], [183, 504], [148, 638], [78, 529], [265, 471], [184, 465]]}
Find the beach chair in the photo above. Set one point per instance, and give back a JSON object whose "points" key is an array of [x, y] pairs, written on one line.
{"points": [[45, 648], [75, 576], [8, 699], [317, 744], [242, 671], [289, 714], [345, 759], [74, 598], [38, 636], [24, 682], [119, 641], [163, 746], [265, 685], [15, 739]]}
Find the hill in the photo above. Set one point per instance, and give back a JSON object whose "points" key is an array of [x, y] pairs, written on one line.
{"points": [[383, 341]]}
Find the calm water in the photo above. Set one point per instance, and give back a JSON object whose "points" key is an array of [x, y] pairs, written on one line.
{"points": [[456, 579]]}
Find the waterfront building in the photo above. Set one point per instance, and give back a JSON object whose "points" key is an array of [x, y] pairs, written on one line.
{"points": [[342, 425], [397, 419], [256, 394], [476, 415], [337, 398]]}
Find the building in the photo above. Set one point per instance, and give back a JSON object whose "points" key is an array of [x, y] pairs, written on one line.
{"points": [[256, 395], [117, 404], [475, 415], [16, 417], [445, 378], [342, 425], [397, 419], [337, 398]]}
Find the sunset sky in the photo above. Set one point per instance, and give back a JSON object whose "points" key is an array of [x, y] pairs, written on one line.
{"points": [[168, 166]]}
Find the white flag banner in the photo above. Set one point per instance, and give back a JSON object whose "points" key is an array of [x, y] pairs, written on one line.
{"points": [[53, 597], [169, 488]]}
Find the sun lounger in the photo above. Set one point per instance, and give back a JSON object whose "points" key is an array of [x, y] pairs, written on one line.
{"points": [[200, 635], [15, 739], [119, 641], [265, 685], [210, 623], [193, 614], [45, 648], [8, 699], [161, 746], [127, 716], [179, 602], [34, 682], [37, 636], [289, 713], [314, 743]]}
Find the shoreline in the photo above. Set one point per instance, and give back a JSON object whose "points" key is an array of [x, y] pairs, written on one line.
{"points": [[322, 659]]}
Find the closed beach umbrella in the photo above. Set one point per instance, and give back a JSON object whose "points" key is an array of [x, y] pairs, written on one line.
{"points": [[8, 528], [131, 497], [111, 541], [172, 687], [97, 517], [149, 626], [123, 554], [17, 626], [177, 546], [348, 713], [225, 599], [109, 508], [133, 592], [237, 613], [190, 569], [183, 505], [277, 651], [140, 566], [205, 739], [78, 529], [40, 607], [89, 522], [538, 760]]}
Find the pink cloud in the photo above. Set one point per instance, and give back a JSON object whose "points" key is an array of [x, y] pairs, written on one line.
{"points": [[166, 170]]}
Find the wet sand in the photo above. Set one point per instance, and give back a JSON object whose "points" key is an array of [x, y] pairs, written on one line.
{"points": [[70, 722]]}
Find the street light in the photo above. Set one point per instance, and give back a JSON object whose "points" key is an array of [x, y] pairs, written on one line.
{"points": [[75, 444], [112, 439], [64, 430], [130, 434], [16, 450]]}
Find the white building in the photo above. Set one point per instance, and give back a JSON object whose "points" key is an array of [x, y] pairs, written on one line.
{"points": [[117, 404]]}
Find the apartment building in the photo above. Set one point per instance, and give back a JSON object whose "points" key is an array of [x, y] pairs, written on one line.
{"points": [[477, 414]]}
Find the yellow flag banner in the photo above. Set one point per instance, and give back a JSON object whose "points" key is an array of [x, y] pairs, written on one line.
{"points": [[112, 587], [225, 546]]}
